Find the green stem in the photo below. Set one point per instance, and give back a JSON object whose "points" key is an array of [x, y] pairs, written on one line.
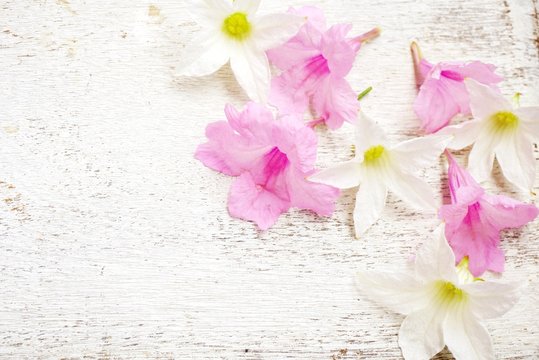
{"points": [[364, 93]]}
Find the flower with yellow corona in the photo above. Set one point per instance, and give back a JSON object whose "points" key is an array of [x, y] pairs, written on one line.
{"points": [[498, 130], [443, 304], [231, 31], [378, 167]]}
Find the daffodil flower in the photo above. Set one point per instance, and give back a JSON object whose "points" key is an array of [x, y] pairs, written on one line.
{"points": [[444, 305], [498, 129], [231, 31], [378, 167]]}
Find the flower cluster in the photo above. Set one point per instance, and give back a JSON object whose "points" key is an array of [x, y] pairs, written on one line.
{"points": [[270, 148]]}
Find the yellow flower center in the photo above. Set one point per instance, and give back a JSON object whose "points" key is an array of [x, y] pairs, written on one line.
{"points": [[504, 120], [373, 154], [237, 26], [449, 294]]}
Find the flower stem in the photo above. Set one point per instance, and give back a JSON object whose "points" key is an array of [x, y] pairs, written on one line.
{"points": [[369, 35], [417, 56], [516, 99], [364, 93]]}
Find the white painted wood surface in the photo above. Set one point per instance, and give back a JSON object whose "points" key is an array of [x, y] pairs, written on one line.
{"points": [[116, 244]]}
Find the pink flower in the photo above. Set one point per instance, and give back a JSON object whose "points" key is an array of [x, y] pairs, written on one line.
{"points": [[474, 220], [443, 94], [315, 63], [271, 160]]}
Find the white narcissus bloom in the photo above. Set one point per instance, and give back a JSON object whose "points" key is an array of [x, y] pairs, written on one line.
{"points": [[498, 129], [378, 167], [232, 31], [443, 304]]}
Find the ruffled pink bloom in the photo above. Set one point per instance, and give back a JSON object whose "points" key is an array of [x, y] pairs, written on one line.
{"points": [[443, 94], [314, 64], [474, 220], [271, 160]]}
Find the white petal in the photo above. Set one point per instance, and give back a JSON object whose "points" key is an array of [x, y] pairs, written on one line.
{"points": [[420, 335], [249, 7], [209, 12], [485, 101], [343, 176], [204, 56], [368, 134], [411, 189], [399, 292], [464, 134], [481, 157], [370, 202], [516, 159], [273, 30], [466, 338], [491, 299], [251, 68], [529, 116], [420, 152], [435, 259]]}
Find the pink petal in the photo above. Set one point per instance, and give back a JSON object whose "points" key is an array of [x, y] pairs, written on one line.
{"points": [[248, 201], [435, 104], [310, 196], [506, 213], [286, 94], [297, 141], [225, 151], [337, 51], [315, 16], [336, 102]]}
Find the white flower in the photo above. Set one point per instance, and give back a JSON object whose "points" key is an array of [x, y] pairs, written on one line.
{"points": [[498, 130], [443, 306], [232, 31], [377, 167]]}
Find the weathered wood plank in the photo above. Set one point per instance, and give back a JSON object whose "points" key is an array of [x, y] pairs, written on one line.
{"points": [[115, 243]]}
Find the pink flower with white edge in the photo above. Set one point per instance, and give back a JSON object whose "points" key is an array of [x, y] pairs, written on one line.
{"points": [[271, 159], [474, 220], [443, 94], [314, 64]]}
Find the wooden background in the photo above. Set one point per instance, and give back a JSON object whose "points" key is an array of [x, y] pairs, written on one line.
{"points": [[116, 244]]}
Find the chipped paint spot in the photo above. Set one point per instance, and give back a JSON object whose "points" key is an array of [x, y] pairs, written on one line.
{"points": [[10, 129], [66, 4], [154, 11]]}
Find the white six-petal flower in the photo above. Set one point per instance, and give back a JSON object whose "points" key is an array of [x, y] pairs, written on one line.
{"points": [[378, 167], [443, 304], [232, 31], [498, 130]]}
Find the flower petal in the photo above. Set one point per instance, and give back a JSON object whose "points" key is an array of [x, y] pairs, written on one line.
{"points": [[464, 134], [490, 299], [251, 68], [517, 161], [420, 335], [248, 201], [529, 117], [370, 202], [204, 55], [411, 189], [481, 158], [275, 29], [336, 102], [308, 195], [485, 101], [435, 259], [368, 134], [466, 337], [249, 7], [343, 176], [337, 50], [209, 13], [286, 96], [506, 212], [421, 152], [399, 292], [435, 104]]}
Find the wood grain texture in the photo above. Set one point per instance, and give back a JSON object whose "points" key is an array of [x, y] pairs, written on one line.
{"points": [[116, 244]]}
